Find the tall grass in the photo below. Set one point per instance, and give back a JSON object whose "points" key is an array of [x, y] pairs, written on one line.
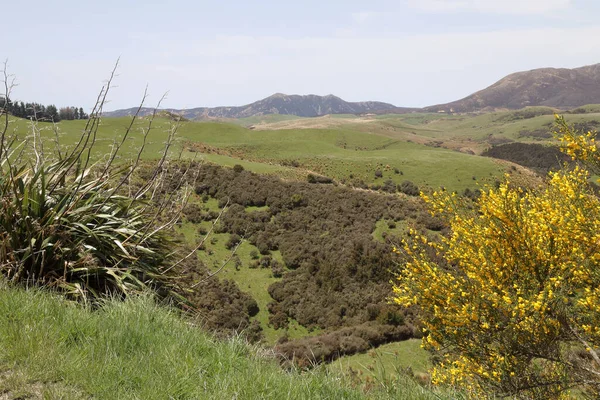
{"points": [[136, 349]]}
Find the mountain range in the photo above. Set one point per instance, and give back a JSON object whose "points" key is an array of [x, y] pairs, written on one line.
{"points": [[561, 88], [302, 106]]}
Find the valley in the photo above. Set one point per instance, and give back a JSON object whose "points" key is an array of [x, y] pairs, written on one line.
{"points": [[292, 220], [364, 159]]}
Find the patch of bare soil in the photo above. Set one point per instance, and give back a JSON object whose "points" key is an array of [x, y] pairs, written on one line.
{"points": [[326, 121]]}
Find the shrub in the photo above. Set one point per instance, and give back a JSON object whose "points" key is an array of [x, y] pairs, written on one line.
{"points": [[277, 269], [265, 262], [519, 273], [64, 223], [233, 241], [78, 235], [311, 178], [409, 188], [193, 213], [309, 351], [389, 186]]}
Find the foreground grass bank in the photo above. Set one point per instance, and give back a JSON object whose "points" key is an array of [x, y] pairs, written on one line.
{"points": [[50, 348]]}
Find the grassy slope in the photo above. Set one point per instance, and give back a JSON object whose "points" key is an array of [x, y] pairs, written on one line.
{"points": [[475, 130], [341, 152], [346, 151], [341, 146], [387, 360], [50, 348]]}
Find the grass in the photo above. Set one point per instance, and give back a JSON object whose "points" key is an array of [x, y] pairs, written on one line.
{"points": [[349, 154], [345, 147], [50, 348], [387, 360], [345, 152], [383, 227], [264, 119]]}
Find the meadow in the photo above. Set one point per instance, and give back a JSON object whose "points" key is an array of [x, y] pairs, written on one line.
{"points": [[431, 150], [346, 155]]}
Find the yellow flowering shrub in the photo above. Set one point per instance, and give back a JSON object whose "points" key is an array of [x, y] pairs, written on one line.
{"points": [[510, 300], [579, 145]]}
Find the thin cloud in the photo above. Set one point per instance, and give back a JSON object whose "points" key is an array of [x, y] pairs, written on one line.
{"points": [[491, 6], [423, 70], [363, 16]]}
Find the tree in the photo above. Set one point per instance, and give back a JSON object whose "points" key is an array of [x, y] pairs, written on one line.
{"points": [[67, 113], [511, 298], [52, 113]]}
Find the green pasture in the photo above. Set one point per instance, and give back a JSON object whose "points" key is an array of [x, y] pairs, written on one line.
{"points": [[388, 360], [341, 153], [420, 145]]}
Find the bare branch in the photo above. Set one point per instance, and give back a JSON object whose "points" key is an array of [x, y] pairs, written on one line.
{"points": [[9, 83], [221, 267]]}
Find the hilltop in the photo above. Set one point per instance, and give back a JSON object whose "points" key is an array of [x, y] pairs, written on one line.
{"points": [[302, 106], [561, 88]]}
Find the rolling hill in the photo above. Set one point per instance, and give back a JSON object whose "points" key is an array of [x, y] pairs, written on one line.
{"points": [[302, 106], [552, 87]]}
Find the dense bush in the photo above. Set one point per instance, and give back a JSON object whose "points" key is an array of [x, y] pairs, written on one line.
{"points": [[311, 178], [219, 305], [409, 188], [309, 351], [526, 113], [332, 268], [536, 156]]}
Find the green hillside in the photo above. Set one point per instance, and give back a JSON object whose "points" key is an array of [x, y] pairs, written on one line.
{"points": [[53, 349], [346, 153]]}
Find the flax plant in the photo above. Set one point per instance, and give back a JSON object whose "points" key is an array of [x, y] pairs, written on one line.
{"points": [[65, 221]]}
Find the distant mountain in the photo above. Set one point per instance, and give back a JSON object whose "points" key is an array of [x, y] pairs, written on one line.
{"points": [[553, 87], [561, 88], [302, 106]]}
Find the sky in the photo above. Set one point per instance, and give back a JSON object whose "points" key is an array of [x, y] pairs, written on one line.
{"points": [[410, 53]]}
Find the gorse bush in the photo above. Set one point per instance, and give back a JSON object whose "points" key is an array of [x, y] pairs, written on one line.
{"points": [[511, 298], [64, 222]]}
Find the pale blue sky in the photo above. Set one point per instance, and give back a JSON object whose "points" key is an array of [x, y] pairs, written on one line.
{"points": [[406, 52]]}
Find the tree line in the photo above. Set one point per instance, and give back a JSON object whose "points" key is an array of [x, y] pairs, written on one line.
{"points": [[40, 112]]}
